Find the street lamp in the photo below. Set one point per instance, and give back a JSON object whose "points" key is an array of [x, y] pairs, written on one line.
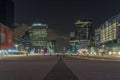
{"points": [[16, 46]]}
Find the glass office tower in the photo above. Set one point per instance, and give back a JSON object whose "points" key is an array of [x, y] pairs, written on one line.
{"points": [[38, 36]]}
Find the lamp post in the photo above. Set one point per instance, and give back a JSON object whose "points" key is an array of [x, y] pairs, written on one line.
{"points": [[16, 46]]}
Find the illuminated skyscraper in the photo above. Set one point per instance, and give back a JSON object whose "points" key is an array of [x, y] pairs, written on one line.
{"points": [[38, 36], [7, 13], [108, 35], [82, 33]]}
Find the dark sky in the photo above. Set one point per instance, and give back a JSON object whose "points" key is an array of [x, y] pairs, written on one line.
{"points": [[62, 14]]}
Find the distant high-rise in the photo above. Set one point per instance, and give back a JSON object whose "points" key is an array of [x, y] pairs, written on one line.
{"points": [[107, 36], [82, 30], [7, 13], [82, 33], [72, 42], [38, 36]]}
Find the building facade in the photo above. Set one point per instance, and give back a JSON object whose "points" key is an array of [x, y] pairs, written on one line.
{"points": [[107, 36], [72, 42], [51, 46], [38, 36], [6, 39], [7, 13], [82, 34]]}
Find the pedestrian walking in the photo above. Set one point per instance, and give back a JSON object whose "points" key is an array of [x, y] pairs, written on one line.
{"points": [[57, 55]]}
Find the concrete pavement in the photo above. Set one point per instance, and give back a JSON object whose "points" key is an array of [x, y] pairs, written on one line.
{"points": [[26, 67], [60, 72], [37, 67], [14, 67], [98, 57], [86, 69]]}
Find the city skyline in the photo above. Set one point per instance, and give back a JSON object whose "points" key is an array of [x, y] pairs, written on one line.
{"points": [[61, 15]]}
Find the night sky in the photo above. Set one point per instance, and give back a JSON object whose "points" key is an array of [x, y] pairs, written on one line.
{"points": [[62, 14]]}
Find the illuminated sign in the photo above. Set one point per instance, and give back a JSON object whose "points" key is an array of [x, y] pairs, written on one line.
{"points": [[37, 24], [6, 38]]}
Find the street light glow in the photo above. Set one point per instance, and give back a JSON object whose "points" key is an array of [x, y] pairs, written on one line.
{"points": [[36, 24]]}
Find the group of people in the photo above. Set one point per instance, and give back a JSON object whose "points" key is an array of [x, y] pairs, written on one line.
{"points": [[61, 55]]}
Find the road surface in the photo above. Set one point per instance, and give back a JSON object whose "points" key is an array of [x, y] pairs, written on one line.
{"points": [[56, 68], [94, 69], [26, 68]]}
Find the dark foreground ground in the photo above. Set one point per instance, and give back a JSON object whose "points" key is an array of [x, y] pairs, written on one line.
{"points": [[60, 72], [58, 68]]}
